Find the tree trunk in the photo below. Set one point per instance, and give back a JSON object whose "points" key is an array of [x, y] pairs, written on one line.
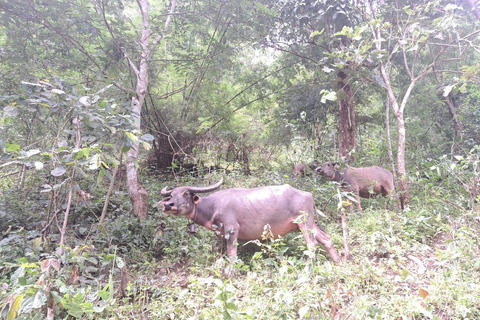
{"points": [[402, 172], [398, 112], [347, 124], [457, 123], [137, 193], [389, 138]]}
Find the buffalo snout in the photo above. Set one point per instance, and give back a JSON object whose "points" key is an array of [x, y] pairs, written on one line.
{"points": [[168, 205]]}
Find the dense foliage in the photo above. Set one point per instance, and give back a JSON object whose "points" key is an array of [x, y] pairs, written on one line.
{"points": [[241, 90]]}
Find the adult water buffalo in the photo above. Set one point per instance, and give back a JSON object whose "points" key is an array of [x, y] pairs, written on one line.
{"points": [[363, 182], [242, 214]]}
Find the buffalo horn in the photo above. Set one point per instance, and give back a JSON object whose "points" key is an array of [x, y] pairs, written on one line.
{"points": [[165, 192], [207, 189]]}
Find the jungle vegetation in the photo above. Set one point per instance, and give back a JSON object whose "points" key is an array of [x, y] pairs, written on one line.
{"points": [[104, 103]]}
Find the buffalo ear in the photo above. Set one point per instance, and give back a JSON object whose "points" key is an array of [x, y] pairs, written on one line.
{"points": [[196, 199], [163, 201]]}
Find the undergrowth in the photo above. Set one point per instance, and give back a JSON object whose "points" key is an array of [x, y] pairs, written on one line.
{"points": [[422, 263]]}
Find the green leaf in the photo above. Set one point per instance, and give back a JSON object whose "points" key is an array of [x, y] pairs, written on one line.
{"points": [[40, 299], [12, 147], [131, 136], [256, 255], [12, 314], [226, 315], [76, 306], [95, 162], [22, 260]]}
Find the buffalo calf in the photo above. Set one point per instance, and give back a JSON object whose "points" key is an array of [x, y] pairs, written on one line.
{"points": [[362, 182]]}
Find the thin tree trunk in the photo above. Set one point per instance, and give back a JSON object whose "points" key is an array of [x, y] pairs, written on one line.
{"points": [[398, 111], [389, 138], [137, 193], [70, 193], [347, 124], [457, 123], [402, 171], [110, 189]]}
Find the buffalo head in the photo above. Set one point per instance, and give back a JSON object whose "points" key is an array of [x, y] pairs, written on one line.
{"points": [[182, 200], [328, 169]]}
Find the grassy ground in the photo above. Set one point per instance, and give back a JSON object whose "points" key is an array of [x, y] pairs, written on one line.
{"points": [[404, 266], [423, 263]]}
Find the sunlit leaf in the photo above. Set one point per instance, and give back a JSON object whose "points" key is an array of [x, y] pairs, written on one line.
{"points": [[147, 137], [12, 314], [131, 136], [12, 147], [119, 262], [58, 171], [303, 311], [85, 100], [147, 145]]}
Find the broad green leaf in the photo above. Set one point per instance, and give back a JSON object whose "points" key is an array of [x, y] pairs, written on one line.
{"points": [[106, 173], [95, 162], [12, 314], [12, 147], [131, 136], [40, 299], [22, 260]]}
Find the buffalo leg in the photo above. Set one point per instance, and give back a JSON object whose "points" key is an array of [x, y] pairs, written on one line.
{"points": [[312, 235], [325, 239], [359, 207], [231, 236]]}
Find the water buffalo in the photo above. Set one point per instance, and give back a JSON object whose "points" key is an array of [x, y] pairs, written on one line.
{"points": [[242, 214], [363, 182]]}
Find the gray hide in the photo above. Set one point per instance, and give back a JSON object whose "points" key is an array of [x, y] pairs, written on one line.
{"points": [[364, 182], [242, 214]]}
